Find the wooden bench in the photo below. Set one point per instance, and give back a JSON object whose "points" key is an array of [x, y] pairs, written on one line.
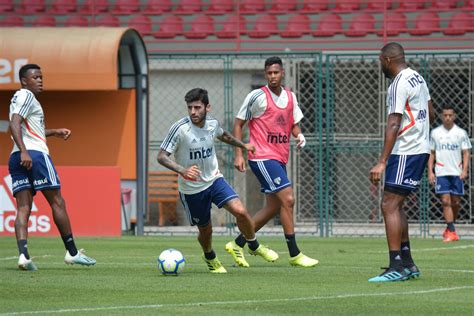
{"points": [[163, 189]]}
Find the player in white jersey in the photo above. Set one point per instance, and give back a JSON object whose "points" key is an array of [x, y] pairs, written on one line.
{"points": [[404, 156], [32, 169], [200, 184], [450, 149]]}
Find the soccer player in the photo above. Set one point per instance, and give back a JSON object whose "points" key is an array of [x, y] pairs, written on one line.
{"points": [[32, 169], [191, 140], [404, 156], [274, 115], [448, 142]]}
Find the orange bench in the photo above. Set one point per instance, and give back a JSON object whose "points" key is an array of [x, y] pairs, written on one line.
{"points": [[163, 189]]}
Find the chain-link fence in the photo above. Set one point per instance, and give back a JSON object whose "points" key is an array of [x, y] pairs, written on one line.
{"points": [[342, 97]]}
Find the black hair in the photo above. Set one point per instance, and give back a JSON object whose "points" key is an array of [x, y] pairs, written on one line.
{"points": [[24, 69], [447, 107], [197, 94], [393, 49], [272, 61]]}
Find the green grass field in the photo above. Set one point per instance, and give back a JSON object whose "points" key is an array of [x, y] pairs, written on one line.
{"points": [[126, 280]]}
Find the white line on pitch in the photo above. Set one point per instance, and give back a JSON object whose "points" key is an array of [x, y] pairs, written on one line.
{"points": [[310, 298], [432, 249]]}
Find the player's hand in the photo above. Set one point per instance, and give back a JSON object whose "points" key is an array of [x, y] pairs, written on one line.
{"points": [[239, 163], [431, 178], [25, 160], [463, 175], [192, 173], [250, 147], [63, 133], [376, 173], [301, 141]]}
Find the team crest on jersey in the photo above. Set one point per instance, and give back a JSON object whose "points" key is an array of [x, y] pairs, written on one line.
{"points": [[281, 120], [277, 180], [194, 141]]}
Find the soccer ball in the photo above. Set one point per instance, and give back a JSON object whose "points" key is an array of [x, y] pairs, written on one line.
{"points": [[171, 262]]}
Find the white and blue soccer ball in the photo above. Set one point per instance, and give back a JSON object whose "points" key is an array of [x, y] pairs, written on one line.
{"points": [[171, 262]]}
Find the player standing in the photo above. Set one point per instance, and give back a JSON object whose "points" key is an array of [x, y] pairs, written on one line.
{"points": [[404, 156], [274, 115], [448, 143], [191, 140], [32, 169]]}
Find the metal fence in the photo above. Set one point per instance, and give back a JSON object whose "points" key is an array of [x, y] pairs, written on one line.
{"points": [[343, 99]]}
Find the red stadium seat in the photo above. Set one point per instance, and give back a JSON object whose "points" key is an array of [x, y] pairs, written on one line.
{"points": [[64, 6], [460, 23], [44, 20], [329, 25], [189, 6], [158, 6], [411, 5], [6, 5], [77, 20], [201, 27], [310, 6], [264, 26], [396, 23], [425, 24], [347, 5], [233, 26], [379, 5], [468, 4], [142, 24], [32, 6], [220, 6], [108, 20], [11, 21], [249, 6], [283, 6], [94, 6], [126, 6], [171, 26], [443, 4], [296, 26], [361, 25]]}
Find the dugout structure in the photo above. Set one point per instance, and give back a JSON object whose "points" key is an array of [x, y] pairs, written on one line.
{"points": [[96, 84]]}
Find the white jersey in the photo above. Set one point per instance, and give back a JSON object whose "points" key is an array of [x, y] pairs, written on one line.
{"points": [[408, 95], [192, 145], [33, 131], [448, 146], [255, 105]]}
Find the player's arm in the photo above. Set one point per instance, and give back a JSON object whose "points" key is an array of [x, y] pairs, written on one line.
{"points": [[466, 157], [227, 138], [431, 112], [15, 128], [431, 162], [58, 132], [239, 162], [165, 160], [391, 132], [296, 132]]}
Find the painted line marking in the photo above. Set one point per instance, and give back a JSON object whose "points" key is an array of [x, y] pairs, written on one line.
{"points": [[310, 298]]}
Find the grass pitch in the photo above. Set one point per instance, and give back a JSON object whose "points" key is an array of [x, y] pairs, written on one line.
{"points": [[126, 279]]}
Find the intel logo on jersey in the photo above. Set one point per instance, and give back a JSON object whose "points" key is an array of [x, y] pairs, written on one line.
{"points": [[411, 182], [277, 138], [200, 153], [449, 147]]}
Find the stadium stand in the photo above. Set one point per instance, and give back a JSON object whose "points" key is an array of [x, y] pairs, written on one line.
{"points": [[108, 20], [95, 6], [314, 6], [361, 25], [12, 20], [395, 23], [142, 24], [296, 26], [425, 24], [232, 27], [264, 26], [329, 25], [459, 24], [126, 6], [170, 27], [6, 6], [158, 6], [201, 27], [347, 5], [411, 5], [379, 5], [45, 20], [76, 20], [220, 6], [32, 6], [63, 6], [443, 4], [252, 6], [283, 6], [189, 6]]}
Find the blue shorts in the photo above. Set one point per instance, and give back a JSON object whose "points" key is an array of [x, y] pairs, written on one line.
{"points": [[271, 174], [449, 185], [41, 176], [404, 172], [198, 206]]}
